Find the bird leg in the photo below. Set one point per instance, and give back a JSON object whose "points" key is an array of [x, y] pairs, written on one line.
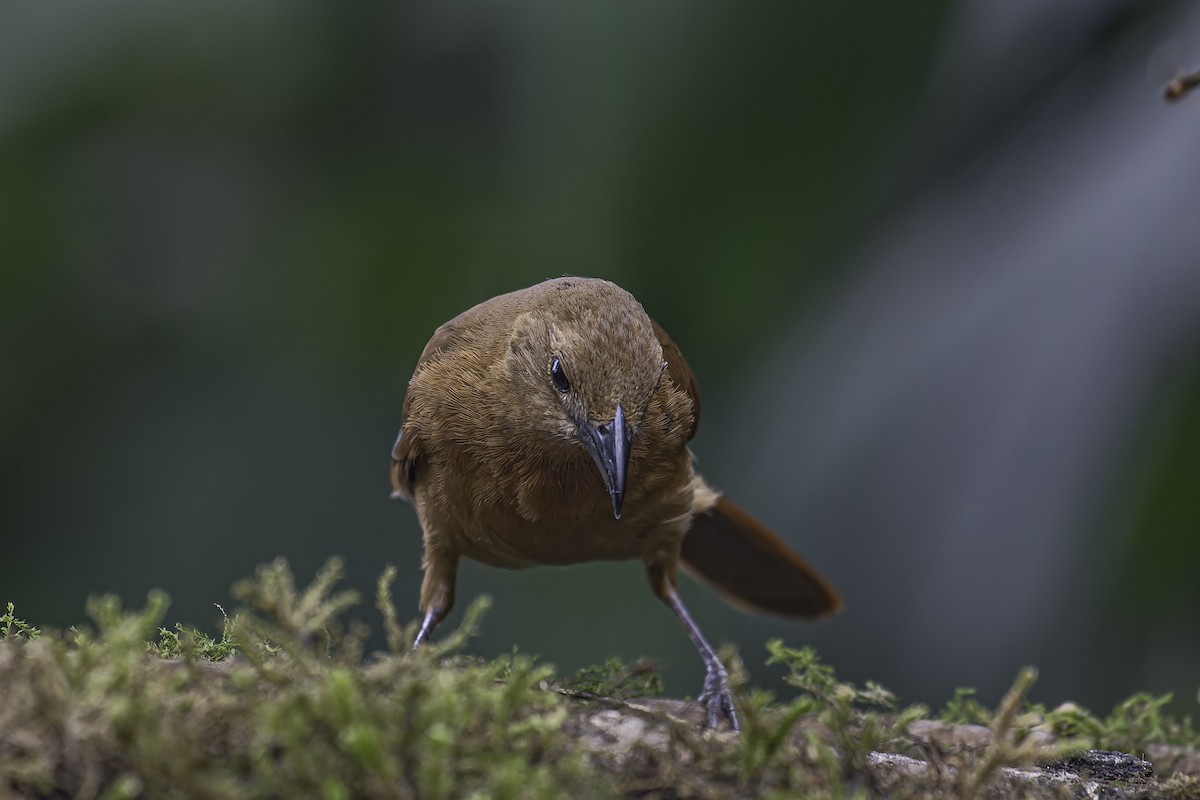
{"points": [[717, 697], [437, 590]]}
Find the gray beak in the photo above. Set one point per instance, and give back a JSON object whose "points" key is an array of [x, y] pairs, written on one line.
{"points": [[608, 445]]}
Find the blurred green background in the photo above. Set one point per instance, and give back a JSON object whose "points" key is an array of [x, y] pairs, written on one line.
{"points": [[935, 265]]}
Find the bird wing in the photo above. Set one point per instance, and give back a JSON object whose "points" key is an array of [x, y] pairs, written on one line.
{"points": [[406, 452], [680, 372]]}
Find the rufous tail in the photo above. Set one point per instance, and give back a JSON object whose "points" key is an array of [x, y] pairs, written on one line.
{"points": [[752, 568]]}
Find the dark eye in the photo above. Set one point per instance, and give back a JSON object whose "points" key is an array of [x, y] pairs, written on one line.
{"points": [[559, 377]]}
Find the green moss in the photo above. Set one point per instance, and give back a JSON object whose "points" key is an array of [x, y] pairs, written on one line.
{"points": [[285, 703], [1180, 787], [13, 628], [617, 680], [964, 709], [295, 713], [1141, 720], [191, 643], [831, 726]]}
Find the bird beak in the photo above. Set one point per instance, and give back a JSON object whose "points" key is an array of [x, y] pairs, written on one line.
{"points": [[608, 444]]}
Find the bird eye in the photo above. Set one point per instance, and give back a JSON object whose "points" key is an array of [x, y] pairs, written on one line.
{"points": [[559, 377]]}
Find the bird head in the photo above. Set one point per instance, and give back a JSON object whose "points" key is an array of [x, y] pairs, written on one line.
{"points": [[590, 362]]}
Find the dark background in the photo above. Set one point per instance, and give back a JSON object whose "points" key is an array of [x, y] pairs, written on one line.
{"points": [[936, 265]]}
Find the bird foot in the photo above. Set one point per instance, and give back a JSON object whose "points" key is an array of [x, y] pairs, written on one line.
{"points": [[432, 617], [718, 699]]}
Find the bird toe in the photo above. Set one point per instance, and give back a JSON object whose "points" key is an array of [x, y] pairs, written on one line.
{"points": [[718, 702]]}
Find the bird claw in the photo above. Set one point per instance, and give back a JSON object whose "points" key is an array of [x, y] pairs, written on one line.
{"points": [[718, 700]]}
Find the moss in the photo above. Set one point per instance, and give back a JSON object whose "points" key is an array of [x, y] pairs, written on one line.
{"points": [[964, 709], [13, 628], [190, 643], [616, 679], [1180, 787], [294, 712], [285, 703]]}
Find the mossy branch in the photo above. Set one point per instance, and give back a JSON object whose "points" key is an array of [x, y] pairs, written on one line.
{"points": [[283, 703]]}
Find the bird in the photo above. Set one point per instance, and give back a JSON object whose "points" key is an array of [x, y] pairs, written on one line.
{"points": [[550, 426]]}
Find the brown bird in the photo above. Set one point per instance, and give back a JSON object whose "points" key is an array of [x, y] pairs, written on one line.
{"points": [[550, 426]]}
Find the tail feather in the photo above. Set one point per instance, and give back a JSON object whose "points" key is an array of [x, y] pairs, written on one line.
{"points": [[752, 568]]}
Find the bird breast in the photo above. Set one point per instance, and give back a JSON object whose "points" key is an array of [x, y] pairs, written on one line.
{"points": [[527, 509]]}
